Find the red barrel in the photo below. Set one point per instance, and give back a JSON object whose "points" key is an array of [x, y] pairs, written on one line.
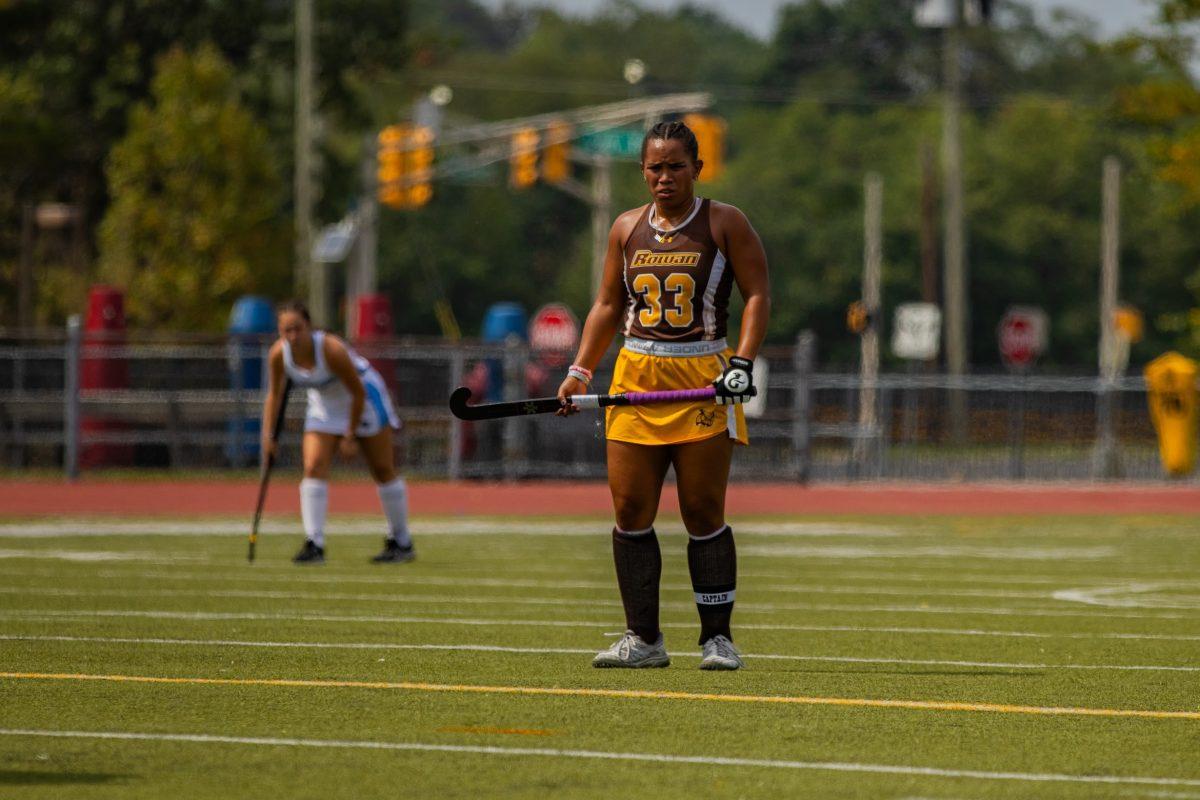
{"points": [[102, 367], [373, 325]]}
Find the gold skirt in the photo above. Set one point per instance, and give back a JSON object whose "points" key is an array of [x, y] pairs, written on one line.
{"points": [[671, 423]]}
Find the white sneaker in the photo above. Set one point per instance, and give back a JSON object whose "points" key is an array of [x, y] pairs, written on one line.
{"points": [[719, 653], [632, 652]]}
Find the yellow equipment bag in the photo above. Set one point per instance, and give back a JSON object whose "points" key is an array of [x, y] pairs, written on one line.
{"points": [[1171, 391]]}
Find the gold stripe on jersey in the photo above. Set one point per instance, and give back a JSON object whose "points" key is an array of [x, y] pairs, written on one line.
{"points": [[648, 258]]}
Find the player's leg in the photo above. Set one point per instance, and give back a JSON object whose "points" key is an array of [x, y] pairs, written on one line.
{"points": [[317, 451], [393, 496], [635, 477], [702, 475]]}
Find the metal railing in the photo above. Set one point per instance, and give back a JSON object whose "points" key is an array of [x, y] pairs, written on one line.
{"points": [[194, 404]]}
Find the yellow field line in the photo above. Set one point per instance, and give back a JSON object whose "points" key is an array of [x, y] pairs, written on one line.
{"points": [[853, 702]]}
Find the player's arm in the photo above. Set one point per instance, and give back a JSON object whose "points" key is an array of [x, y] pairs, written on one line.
{"points": [[275, 383], [749, 262], [338, 360], [605, 314]]}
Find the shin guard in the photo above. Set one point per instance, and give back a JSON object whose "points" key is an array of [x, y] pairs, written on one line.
{"points": [[639, 568], [712, 561]]}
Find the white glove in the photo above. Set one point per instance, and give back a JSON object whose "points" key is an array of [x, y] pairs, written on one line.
{"points": [[736, 383]]}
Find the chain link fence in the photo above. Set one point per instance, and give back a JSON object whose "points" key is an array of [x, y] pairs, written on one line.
{"points": [[194, 403]]}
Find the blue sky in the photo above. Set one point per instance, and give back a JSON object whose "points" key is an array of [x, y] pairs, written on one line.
{"points": [[1112, 16]]}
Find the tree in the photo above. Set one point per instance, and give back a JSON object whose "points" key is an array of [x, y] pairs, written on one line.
{"points": [[195, 218], [1167, 107]]}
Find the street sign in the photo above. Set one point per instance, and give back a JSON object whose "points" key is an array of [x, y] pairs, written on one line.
{"points": [[554, 334], [334, 242], [917, 331], [617, 142], [1023, 333]]}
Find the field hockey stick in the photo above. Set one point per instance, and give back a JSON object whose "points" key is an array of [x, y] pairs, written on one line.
{"points": [[548, 405], [264, 475]]}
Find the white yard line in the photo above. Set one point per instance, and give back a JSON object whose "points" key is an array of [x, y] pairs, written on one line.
{"points": [[425, 526], [659, 758], [992, 553], [796, 587], [1132, 595], [94, 556], [1018, 553], [554, 623], [330, 573], [745, 607], [488, 648], [408, 578]]}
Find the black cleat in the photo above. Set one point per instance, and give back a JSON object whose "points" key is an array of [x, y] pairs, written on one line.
{"points": [[393, 553], [309, 554]]}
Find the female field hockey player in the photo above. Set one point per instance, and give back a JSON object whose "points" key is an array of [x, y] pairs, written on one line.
{"points": [[668, 275], [348, 403]]}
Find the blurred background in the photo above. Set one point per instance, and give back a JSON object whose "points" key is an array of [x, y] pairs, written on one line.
{"points": [[981, 218]]}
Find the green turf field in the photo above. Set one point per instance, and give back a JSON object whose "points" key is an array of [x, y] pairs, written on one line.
{"points": [[887, 658]]}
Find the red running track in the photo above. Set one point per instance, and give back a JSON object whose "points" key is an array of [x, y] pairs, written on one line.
{"points": [[97, 496]]}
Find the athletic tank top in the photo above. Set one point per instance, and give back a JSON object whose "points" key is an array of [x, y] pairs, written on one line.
{"points": [[319, 377], [677, 281]]}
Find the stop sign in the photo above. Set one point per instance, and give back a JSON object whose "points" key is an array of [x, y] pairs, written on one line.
{"points": [[554, 333], [1023, 333]]}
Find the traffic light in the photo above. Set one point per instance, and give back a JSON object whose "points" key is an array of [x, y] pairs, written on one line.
{"points": [[420, 167], [710, 134], [556, 164], [405, 166], [389, 172], [523, 161]]}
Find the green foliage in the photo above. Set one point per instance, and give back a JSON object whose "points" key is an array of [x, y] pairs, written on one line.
{"points": [[194, 221], [1166, 106], [851, 50], [845, 87]]}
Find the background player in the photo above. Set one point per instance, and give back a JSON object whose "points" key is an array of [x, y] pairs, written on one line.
{"points": [[347, 401], [668, 275]]}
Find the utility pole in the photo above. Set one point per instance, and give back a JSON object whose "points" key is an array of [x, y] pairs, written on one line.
{"points": [[928, 232], [1110, 271], [868, 415], [601, 202], [954, 281], [309, 277], [366, 247], [1111, 350]]}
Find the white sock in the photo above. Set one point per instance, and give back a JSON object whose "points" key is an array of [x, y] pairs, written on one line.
{"points": [[394, 499], [314, 503]]}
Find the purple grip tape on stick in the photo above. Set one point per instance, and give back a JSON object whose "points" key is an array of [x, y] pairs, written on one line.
{"points": [[675, 396]]}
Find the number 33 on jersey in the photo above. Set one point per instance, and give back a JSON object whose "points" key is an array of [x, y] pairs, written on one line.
{"points": [[678, 282]]}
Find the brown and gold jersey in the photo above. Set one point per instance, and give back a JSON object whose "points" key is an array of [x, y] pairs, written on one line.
{"points": [[677, 281]]}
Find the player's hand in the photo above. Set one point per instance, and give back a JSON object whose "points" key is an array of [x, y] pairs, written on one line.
{"points": [[569, 388], [348, 446], [736, 383]]}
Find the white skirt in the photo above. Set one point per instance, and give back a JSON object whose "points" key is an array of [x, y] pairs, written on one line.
{"points": [[329, 408]]}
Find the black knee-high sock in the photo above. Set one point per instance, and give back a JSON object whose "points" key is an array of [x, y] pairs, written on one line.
{"points": [[639, 567], [712, 561]]}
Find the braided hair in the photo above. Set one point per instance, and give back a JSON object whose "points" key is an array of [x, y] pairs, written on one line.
{"points": [[673, 130]]}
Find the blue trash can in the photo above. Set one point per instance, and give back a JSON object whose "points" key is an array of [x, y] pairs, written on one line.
{"points": [[252, 319], [500, 321]]}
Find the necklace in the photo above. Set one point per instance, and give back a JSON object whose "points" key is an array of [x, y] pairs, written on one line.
{"points": [[663, 236]]}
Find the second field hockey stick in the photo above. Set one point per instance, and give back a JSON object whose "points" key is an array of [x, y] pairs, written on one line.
{"points": [[547, 405], [264, 475]]}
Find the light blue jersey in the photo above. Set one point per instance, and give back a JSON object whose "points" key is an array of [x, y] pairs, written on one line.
{"points": [[329, 400]]}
